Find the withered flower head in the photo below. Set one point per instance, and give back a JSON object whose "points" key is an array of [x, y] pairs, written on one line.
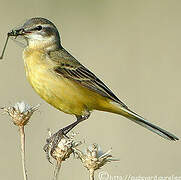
{"points": [[94, 158], [20, 112]]}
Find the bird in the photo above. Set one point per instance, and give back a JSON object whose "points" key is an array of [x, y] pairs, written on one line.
{"points": [[66, 84]]}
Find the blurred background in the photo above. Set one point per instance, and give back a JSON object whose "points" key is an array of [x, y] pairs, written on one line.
{"points": [[134, 47]]}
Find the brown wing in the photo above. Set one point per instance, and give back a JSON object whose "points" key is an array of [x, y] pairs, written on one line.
{"points": [[87, 79]]}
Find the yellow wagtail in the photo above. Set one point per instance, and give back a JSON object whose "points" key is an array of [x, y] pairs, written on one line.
{"points": [[65, 83]]}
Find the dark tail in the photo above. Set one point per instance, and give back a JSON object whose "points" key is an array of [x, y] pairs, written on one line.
{"points": [[141, 121]]}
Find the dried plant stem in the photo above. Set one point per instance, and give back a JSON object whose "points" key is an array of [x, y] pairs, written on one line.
{"points": [[21, 114], [57, 170], [91, 174], [22, 136]]}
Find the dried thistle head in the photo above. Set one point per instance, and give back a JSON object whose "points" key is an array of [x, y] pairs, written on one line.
{"points": [[20, 112], [63, 149], [94, 158], [59, 147]]}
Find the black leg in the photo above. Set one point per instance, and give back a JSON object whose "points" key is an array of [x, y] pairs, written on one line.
{"points": [[68, 128]]}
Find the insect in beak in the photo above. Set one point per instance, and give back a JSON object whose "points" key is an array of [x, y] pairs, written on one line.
{"points": [[15, 33]]}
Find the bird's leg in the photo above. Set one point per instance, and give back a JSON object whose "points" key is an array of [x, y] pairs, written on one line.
{"points": [[68, 128]]}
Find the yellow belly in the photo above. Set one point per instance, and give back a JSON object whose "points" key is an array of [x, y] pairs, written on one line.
{"points": [[62, 93]]}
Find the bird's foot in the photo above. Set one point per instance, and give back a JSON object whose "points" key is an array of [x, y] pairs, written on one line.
{"points": [[53, 141]]}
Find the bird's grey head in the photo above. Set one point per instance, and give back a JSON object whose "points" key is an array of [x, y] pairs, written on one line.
{"points": [[39, 33]]}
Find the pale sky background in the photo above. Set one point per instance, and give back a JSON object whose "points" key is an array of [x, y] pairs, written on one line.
{"points": [[134, 47]]}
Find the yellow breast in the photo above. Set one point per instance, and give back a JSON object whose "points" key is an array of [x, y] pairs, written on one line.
{"points": [[62, 93]]}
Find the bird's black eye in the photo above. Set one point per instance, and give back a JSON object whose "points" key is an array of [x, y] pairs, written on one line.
{"points": [[38, 28]]}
